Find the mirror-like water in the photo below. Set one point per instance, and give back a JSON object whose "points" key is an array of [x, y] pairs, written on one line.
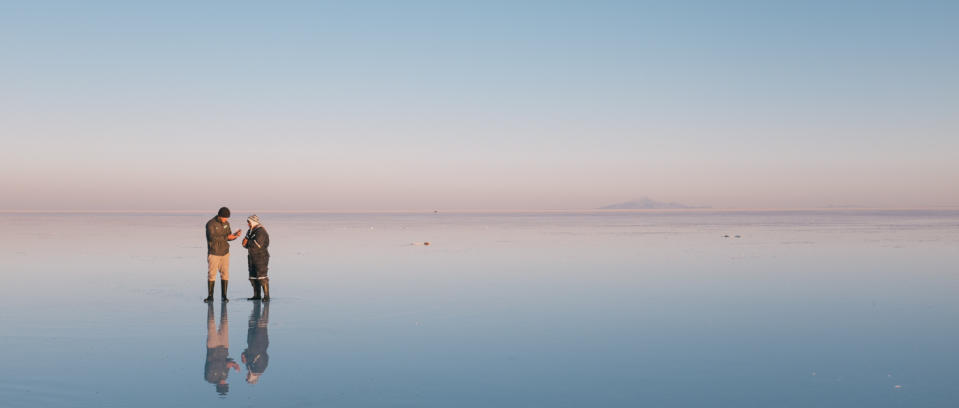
{"points": [[843, 308]]}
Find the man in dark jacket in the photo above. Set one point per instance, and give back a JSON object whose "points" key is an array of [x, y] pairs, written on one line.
{"points": [[218, 361], [218, 252], [256, 242], [257, 340]]}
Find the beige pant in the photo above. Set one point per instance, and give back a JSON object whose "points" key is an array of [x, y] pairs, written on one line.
{"points": [[216, 337], [218, 263]]}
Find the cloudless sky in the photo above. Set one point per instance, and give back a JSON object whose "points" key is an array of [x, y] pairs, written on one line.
{"points": [[375, 105]]}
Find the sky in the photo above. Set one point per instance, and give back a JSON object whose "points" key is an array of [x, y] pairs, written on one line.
{"points": [[421, 105]]}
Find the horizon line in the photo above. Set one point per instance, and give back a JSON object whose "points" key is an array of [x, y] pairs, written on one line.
{"points": [[480, 210]]}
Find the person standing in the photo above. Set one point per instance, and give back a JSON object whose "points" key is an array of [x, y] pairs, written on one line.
{"points": [[258, 258], [218, 361], [257, 340], [218, 252]]}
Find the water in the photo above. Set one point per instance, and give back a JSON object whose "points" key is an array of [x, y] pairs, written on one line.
{"points": [[841, 308]]}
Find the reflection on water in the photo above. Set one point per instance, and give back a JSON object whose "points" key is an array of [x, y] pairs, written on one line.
{"points": [[257, 340], [218, 361], [823, 309]]}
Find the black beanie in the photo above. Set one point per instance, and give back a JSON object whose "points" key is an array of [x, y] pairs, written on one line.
{"points": [[224, 212]]}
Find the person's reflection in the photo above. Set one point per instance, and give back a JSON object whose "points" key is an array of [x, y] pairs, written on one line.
{"points": [[257, 340], [218, 361]]}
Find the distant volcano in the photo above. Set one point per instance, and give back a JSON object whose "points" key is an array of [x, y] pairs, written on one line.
{"points": [[646, 203]]}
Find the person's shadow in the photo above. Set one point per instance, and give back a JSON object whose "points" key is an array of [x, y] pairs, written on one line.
{"points": [[218, 361], [257, 340]]}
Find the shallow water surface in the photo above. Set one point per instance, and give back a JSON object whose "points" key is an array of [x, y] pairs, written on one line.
{"points": [[840, 308]]}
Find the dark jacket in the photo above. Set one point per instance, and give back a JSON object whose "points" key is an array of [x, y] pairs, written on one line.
{"points": [[216, 237], [257, 243], [216, 369], [257, 340]]}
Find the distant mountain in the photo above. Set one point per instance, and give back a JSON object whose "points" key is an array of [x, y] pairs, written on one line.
{"points": [[844, 206], [646, 203]]}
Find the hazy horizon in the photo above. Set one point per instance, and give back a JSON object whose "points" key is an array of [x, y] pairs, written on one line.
{"points": [[246, 211], [377, 105]]}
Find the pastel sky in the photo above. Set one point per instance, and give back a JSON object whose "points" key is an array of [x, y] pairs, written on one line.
{"points": [[377, 105]]}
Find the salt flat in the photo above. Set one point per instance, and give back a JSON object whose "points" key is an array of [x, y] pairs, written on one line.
{"points": [[804, 308]]}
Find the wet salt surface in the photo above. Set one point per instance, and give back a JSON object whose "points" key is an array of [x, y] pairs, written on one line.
{"points": [[842, 308]]}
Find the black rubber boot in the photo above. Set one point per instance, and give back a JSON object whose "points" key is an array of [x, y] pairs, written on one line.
{"points": [[223, 285], [209, 291], [266, 289], [256, 289]]}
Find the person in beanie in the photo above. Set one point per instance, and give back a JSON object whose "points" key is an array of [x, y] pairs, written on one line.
{"points": [[257, 340], [218, 252], [256, 242]]}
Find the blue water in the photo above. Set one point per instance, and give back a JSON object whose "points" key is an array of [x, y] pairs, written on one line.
{"points": [[825, 309]]}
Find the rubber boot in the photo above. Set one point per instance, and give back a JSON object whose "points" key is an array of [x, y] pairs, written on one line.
{"points": [[266, 289], [209, 291], [223, 285], [256, 289]]}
